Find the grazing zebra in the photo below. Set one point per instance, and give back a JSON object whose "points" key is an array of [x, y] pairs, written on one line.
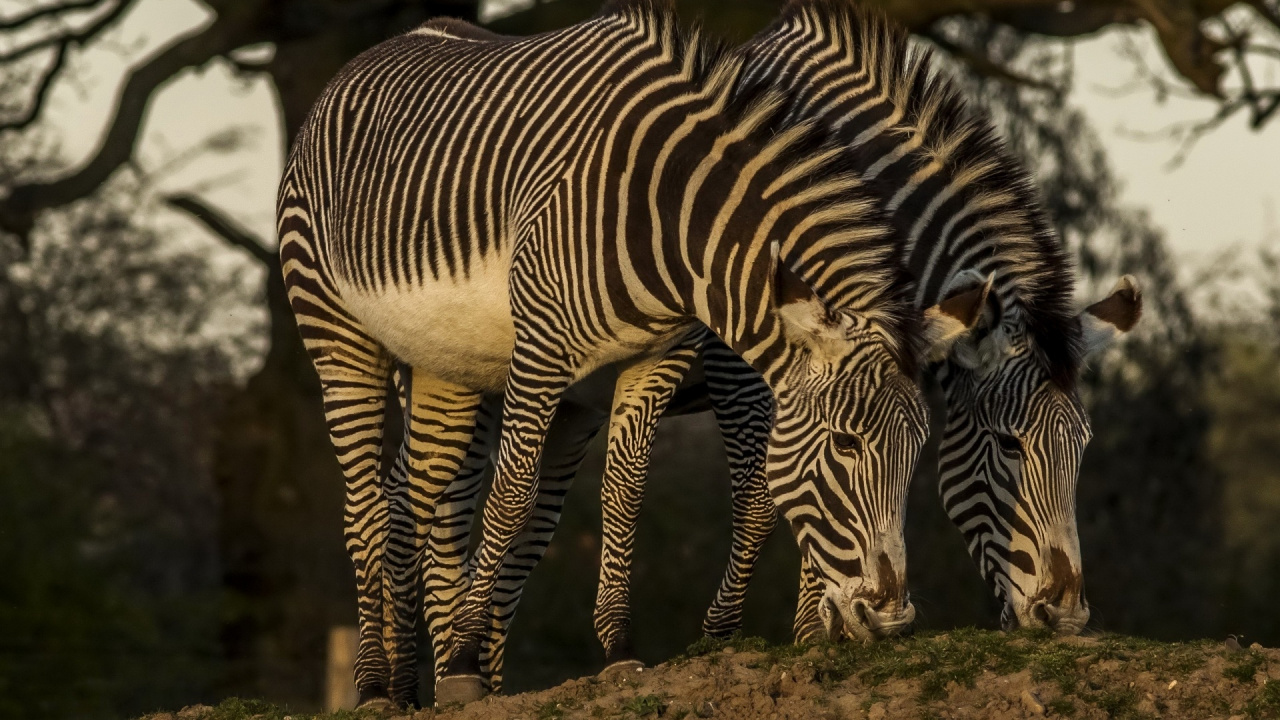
{"points": [[508, 215], [967, 217]]}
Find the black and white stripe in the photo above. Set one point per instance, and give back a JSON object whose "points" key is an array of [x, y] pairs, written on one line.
{"points": [[964, 213], [968, 216], [508, 215]]}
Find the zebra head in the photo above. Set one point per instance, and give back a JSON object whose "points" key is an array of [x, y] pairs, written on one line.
{"points": [[1010, 455], [848, 427]]}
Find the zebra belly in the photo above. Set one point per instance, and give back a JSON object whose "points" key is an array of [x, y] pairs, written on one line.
{"points": [[463, 331], [460, 330]]}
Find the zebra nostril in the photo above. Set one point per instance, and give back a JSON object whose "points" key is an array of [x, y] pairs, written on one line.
{"points": [[862, 615], [1040, 611]]}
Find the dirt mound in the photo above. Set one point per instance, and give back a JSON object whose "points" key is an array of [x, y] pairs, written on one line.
{"points": [[962, 674]]}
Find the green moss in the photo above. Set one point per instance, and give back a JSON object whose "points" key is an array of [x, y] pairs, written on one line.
{"points": [[1115, 702], [552, 710], [703, 646], [643, 705], [1266, 704], [1061, 706], [1243, 669], [238, 709]]}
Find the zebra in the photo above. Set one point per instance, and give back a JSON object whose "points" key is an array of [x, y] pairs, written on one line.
{"points": [[1010, 386], [507, 216], [968, 215]]}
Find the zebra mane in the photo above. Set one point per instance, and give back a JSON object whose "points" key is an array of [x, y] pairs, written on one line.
{"points": [[1034, 271]]}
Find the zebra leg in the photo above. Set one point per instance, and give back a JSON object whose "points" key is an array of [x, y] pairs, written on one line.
{"points": [[641, 395], [353, 383], [743, 406], [439, 423], [571, 433], [535, 385], [808, 623], [446, 574], [353, 369]]}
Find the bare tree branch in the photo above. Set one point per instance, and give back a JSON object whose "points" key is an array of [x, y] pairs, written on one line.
{"points": [[62, 44], [72, 37], [987, 67], [19, 209], [18, 22], [41, 92], [222, 226]]}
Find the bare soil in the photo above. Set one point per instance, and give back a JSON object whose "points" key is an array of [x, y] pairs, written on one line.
{"points": [[961, 674]]}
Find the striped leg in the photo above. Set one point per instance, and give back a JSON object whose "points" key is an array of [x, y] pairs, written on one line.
{"points": [[354, 391], [535, 385], [743, 405], [439, 423], [639, 399], [446, 574], [808, 623], [354, 370], [571, 433]]}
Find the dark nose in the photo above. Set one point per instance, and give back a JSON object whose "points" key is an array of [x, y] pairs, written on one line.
{"points": [[884, 617]]}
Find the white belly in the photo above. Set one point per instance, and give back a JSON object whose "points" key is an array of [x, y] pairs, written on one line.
{"points": [[460, 331]]}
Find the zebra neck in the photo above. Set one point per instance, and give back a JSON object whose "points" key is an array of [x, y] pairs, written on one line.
{"points": [[955, 199]]}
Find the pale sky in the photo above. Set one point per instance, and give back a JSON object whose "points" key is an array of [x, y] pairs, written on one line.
{"points": [[1226, 193]]}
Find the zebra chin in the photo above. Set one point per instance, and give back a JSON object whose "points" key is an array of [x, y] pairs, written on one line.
{"points": [[859, 620], [1064, 619]]}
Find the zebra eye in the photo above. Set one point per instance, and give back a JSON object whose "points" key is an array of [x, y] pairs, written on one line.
{"points": [[1009, 443], [846, 442]]}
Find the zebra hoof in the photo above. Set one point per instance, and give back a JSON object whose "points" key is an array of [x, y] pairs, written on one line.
{"points": [[375, 701], [620, 669], [459, 690]]}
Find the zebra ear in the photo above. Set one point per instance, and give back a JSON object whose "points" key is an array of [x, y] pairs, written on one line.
{"points": [[954, 316], [802, 312], [1102, 322]]}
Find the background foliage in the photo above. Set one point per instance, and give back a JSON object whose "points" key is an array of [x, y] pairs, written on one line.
{"points": [[170, 507]]}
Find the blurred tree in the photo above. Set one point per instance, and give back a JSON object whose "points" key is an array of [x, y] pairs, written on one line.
{"points": [[278, 488], [106, 518]]}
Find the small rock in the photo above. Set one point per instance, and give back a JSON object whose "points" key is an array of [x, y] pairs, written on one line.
{"points": [[877, 712], [194, 712], [803, 673], [1255, 646], [1032, 703], [1173, 684], [850, 706], [729, 651]]}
